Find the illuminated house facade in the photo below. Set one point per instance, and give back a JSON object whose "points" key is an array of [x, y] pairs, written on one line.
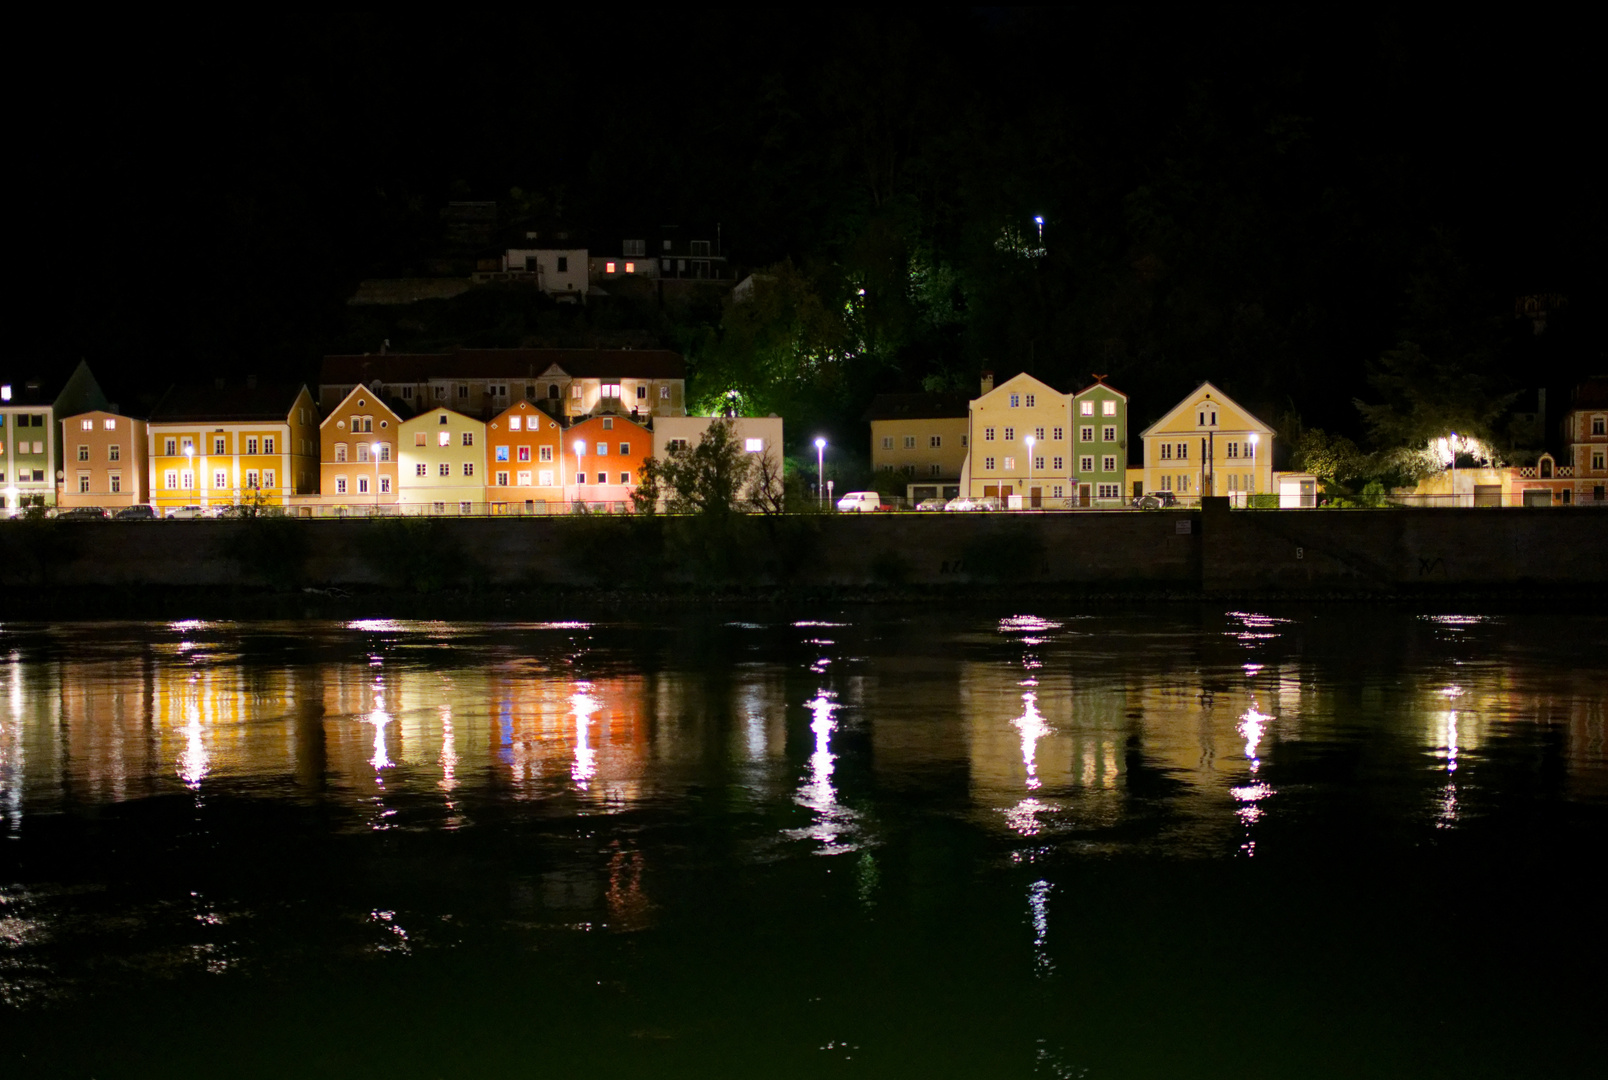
{"points": [[1019, 436], [922, 437], [358, 452], [30, 437], [443, 463], [1099, 445], [1587, 431], [525, 469], [567, 384], [228, 445], [758, 434], [104, 461], [1208, 445], [608, 452]]}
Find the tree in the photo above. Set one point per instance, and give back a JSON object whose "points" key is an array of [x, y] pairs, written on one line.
{"points": [[709, 479]]}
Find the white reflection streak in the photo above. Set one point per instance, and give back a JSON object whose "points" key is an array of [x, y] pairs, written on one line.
{"points": [[1038, 904], [193, 762], [449, 754], [817, 793], [1252, 726], [11, 756], [380, 719], [1023, 817], [585, 766], [1032, 727], [1447, 815]]}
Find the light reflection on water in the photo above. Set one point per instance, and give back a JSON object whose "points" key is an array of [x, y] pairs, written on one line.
{"points": [[637, 761]]}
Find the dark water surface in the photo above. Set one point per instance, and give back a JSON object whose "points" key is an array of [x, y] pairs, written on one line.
{"points": [[1115, 842]]}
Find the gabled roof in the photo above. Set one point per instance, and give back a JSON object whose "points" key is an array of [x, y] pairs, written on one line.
{"points": [[226, 404], [925, 406], [503, 364], [441, 409], [78, 393], [1591, 394], [341, 410], [1205, 390], [1100, 384], [1021, 379]]}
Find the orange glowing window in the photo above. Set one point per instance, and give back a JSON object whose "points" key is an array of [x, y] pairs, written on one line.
{"points": [[608, 268], [630, 268]]}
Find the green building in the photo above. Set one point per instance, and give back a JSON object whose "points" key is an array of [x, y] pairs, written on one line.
{"points": [[1099, 445]]}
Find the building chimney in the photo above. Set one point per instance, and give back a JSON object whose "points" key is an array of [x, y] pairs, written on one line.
{"points": [[988, 382]]}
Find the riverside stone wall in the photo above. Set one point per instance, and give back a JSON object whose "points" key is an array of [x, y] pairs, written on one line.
{"points": [[1213, 549]]}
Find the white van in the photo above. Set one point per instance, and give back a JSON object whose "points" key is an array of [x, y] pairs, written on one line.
{"points": [[860, 502]]}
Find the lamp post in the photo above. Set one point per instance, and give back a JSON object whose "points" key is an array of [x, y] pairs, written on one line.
{"points": [[1029, 440], [1253, 440], [1039, 221], [580, 450], [1452, 442], [189, 465], [374, 452], [820, 472]]}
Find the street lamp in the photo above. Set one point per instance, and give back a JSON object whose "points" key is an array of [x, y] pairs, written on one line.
{"points": [[1253, 440], [580, 449], [1030, 441], [189, 465], [820, 472], [1452, 442], [374, 452], [1039, 221]]}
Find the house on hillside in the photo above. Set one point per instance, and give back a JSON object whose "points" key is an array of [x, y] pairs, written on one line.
{"points": [[922, 437], [1208, 444], [224, 445]]}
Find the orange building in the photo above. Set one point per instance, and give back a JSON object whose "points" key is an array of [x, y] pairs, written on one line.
{"points": [[358, 452], [524, 466], [223, 445], [608, 452], [104, 460]]}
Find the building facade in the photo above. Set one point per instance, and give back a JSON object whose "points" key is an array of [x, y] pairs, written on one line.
{"points": [[1019, 436], [230, 445], [1100, 445], [357, 465], [760, 435], [443, 463], [921, 437], [105, 461], [608, 456], [525, 470], [30, 438], [1587, 429], [1208, 444]]}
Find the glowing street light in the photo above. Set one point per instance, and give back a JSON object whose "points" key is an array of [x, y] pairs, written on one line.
{"points": [[820, 471], [1039, 221], [1452, 442], [1029, 440]]}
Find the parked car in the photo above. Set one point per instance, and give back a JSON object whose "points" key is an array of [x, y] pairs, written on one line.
{"points": [[188, 513], [932, 504], [82, 513], [139, 512], [1155, 500], [861, 502], [966, 502]]}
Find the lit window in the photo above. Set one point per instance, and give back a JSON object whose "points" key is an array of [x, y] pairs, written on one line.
{"points": [[545, 478], [664, 393], [522, 453], [608, 267], [524, 478], [443, 438], [111, 425], [513, 423], [1010, 464], [88, 425], [630, 268], [1086, 408], [1109, 408], [602, 449], [575, 390], [502, 453], [753, 446]]}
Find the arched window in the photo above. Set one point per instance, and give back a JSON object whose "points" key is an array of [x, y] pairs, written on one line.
{"points": [[1546, 467], [552, 391]]}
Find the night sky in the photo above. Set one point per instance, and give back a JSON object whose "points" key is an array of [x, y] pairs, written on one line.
{"points": [[1266, 202]]}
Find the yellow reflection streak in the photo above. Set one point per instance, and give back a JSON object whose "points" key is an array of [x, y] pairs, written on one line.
{"points": [[193, 762]]}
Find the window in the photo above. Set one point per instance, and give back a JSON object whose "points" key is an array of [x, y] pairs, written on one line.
{"points": [[1059, 464], [753, 446], [1109, 491], [1029, 401], [1183, 451], [340, 485], [169, 447], [362, 451], [170, 479], [1085, 408], [1010, 434], [887, 442], [1038, 433], [1183, 482], [497, 389], [580, 477], [664, 393], [1086, 434], [988, 434], [385, 451], [934, 442], [117, 482], [910, 442], [1597, 425], [251, 444], [625, 448], [463, 391], [575, 391], [83, 452], [935, 470], [421, 469], [522, 453], [418, 438], [502, 453], [1086, 464], [602, 449], [1166, 483], [1596, 461], [110, 424], [407, 393], [340, 452], [1109, 408], [965, 440], [1059, 434], [440, 393], [1038, 463], [385, 484], [1016, 401], [676, 444], [630, 268], [1108, 433], [609, 390], [545, 477], [1166, 451], [1233, 450], [641, 392], [988, 463], [252, 480], [563, 264], [362, 485], [1057, 491], [468, 438], [87, 425], [608, 422], [83, 483], [625, 478], [524, 478], [608, 267], [114, 453], [1108, 464], [543, 453], [444, 469], [468, 468], [220, 479], [1010, 464], [268, 443], [443, 438], [502, 479]]}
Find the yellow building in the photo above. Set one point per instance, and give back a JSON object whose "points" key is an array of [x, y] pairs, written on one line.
{"points": [[227, 445], [358, 453], [921, 437], [1020, 442], [443, 463], [104, 460], [1208, 445]]}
